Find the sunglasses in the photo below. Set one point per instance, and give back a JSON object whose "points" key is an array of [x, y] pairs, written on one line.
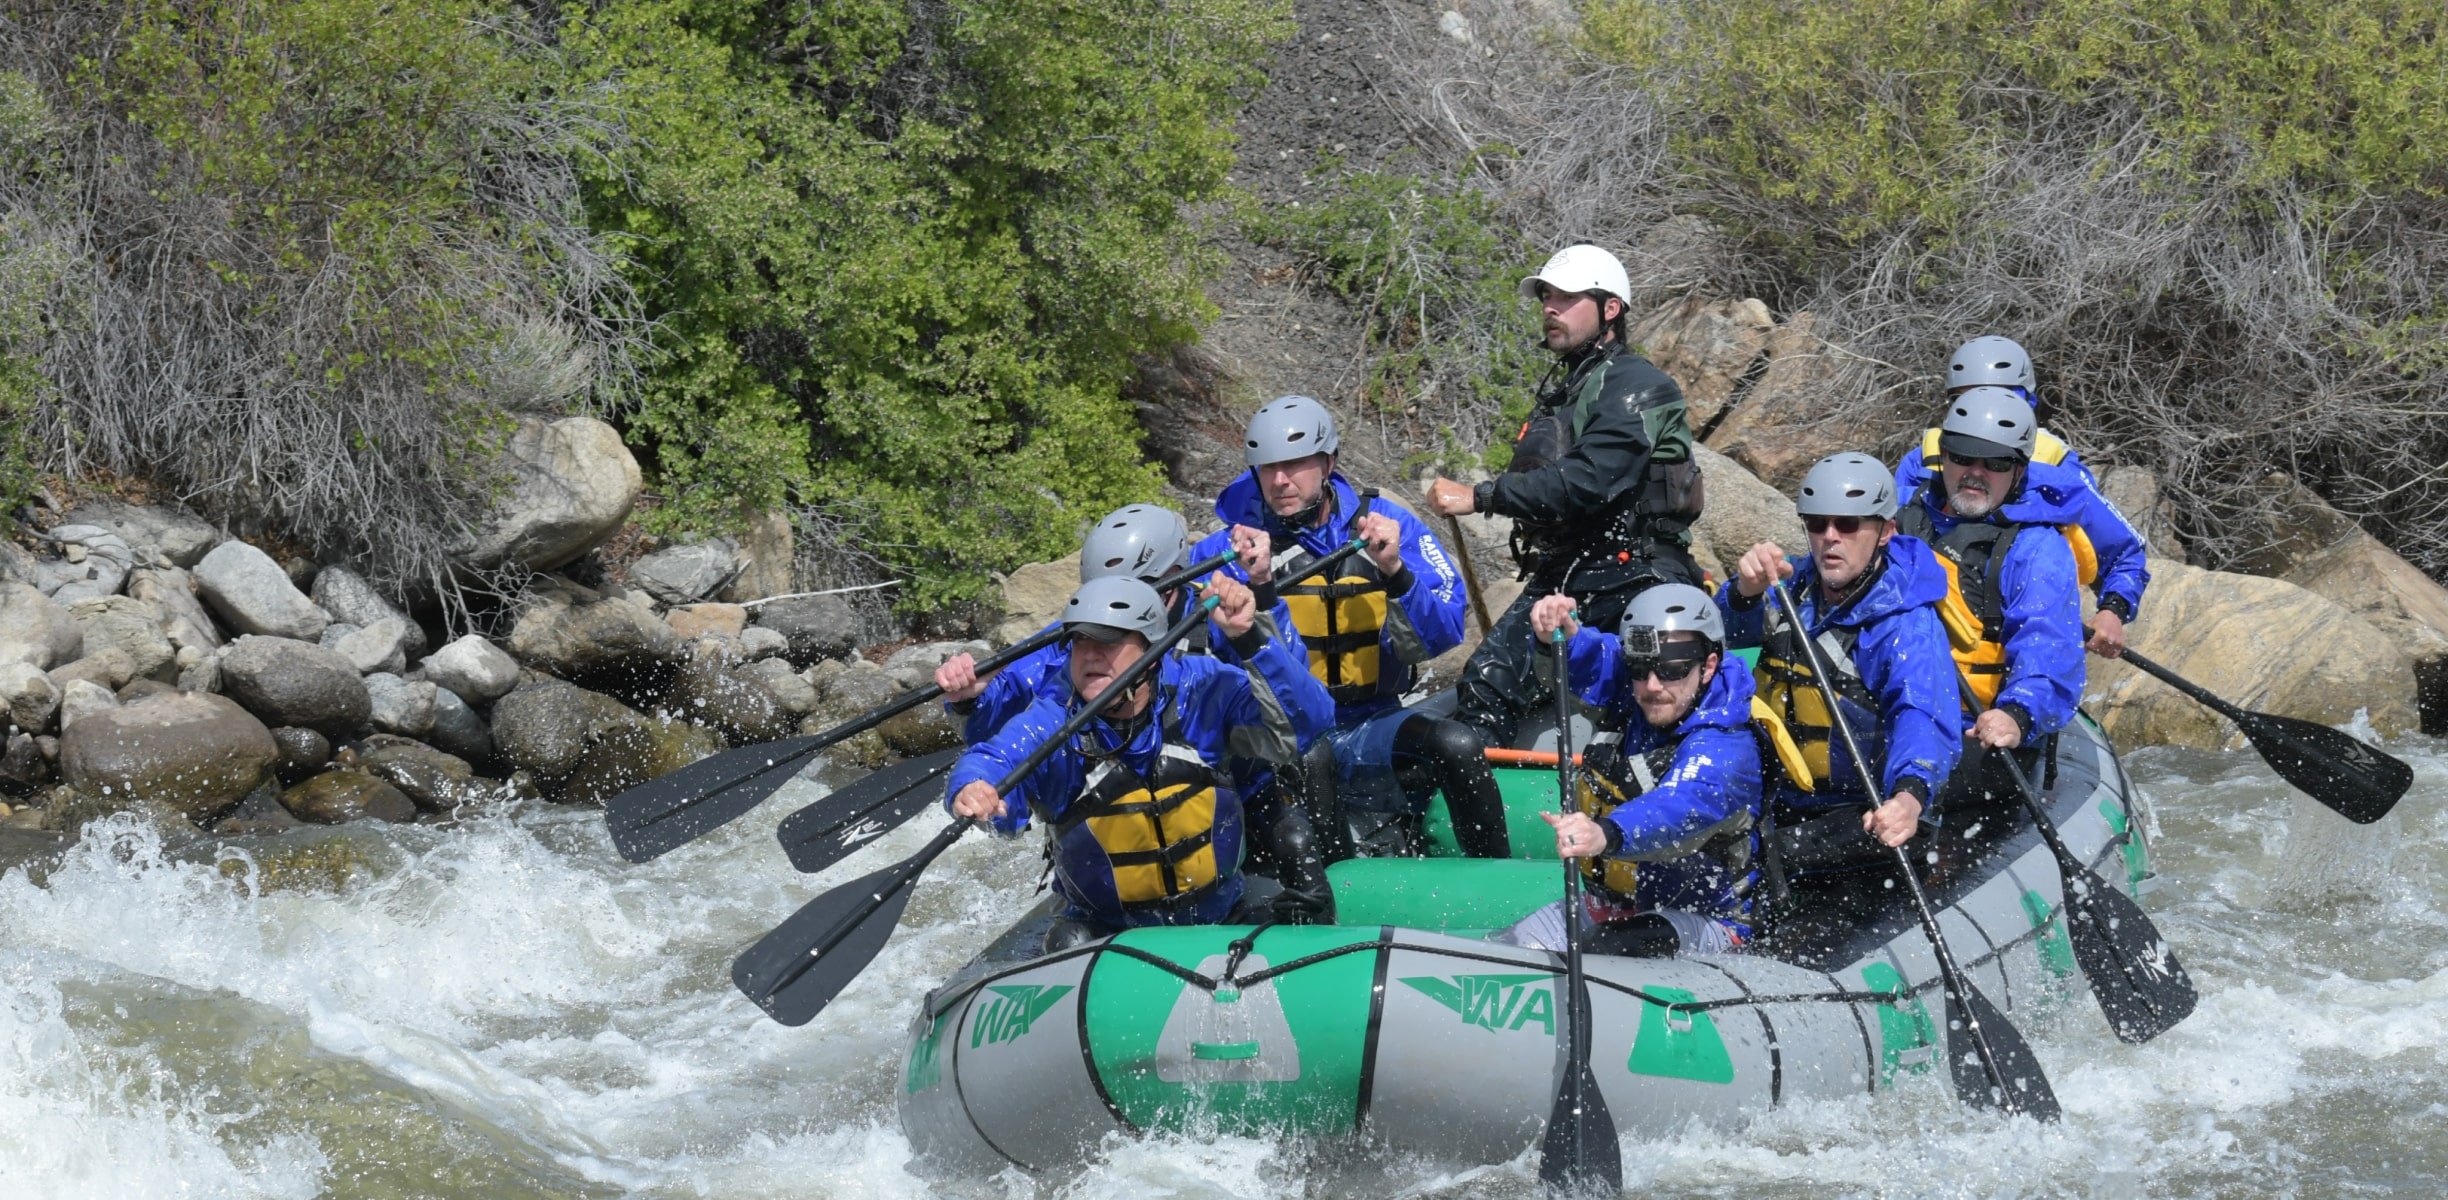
{"points": [[1671, 662], [1847, 526], [1638, 669], [1998, 465]]}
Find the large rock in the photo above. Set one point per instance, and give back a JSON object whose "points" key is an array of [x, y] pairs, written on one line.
{"points": [[293, 683], [94, 562], [381, 647], [740, 708], [1742, 512], [687, 573], [818, 627], [400, 706], [457, 729], [158, 533], [702, 620], [2368, 579], [1709, 346], [254, 595], [34, 630], [32, 699], [436, 781], [198, 754], [338, 797], [789, 688], [349, 598], [302, 752], [1034, 595], [474, 668], [572, 484], [1792, 417], [545, 726], [766, 554], [172, 592], [130, 629], [632, 754], [578, 637], [82, 698], [18, 566], [22, 766], [914, 666], [2293, 524], [2264, 644]]}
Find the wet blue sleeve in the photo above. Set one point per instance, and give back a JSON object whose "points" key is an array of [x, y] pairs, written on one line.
{"points": [[1715, 776], [2124, 569], [1279, 617], [1437, 602], [989, 760], [1746, 626], [1304, 699], [1590, 658], [1009, 693], [1905, 660], [2044, 654]]}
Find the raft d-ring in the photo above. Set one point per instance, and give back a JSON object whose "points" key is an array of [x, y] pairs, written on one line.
{"points": [[1678, 1020]]}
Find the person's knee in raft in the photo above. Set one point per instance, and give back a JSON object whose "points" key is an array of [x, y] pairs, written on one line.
{"points": [[1869, 598], [1146, 825], [1668, 823]]}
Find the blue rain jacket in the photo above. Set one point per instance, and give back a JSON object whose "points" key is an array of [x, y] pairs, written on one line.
{"points": [[2044, 635], [2124, 570]]}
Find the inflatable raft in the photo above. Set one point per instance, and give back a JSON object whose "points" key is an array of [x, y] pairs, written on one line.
{"points": [[1403, 1025]]}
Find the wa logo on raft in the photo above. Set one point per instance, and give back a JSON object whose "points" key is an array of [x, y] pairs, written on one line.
{"points": [[1014, 1009], [1493, 1001]]}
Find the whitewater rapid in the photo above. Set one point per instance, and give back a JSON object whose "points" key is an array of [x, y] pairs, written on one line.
{"points": [[507, 1009]]}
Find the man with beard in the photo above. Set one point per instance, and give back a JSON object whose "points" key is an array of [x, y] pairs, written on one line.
{"points": [[2013, 611], [1602, 488]]}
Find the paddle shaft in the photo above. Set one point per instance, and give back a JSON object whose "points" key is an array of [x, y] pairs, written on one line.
{"points": [[1470, 575], [1950, 973], [2182, 684], [1580, 1148]]}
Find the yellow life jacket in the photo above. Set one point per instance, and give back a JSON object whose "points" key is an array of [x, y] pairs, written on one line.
{"points": [[1799, 724], [1974, 611], [1345, 623], [1780, 744], [2046, 448], [1159, 842]]}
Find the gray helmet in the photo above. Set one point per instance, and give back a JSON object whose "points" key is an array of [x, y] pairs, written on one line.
{"points": [[1850, 484], [1290, 427], [1142, 541], [1669, 608], [1107, 608], [1989, 361], [1988, 422]]}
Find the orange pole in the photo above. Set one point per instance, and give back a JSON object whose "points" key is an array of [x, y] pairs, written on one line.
{"points": [[1524, 758]]}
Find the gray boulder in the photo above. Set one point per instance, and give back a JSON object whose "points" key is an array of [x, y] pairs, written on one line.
{"points": [[156, 532], [572, 483], [740, 708], [818, 627], [131, 629], [93, 562], [293, 683], [34, 630], [1741, 512], [789, 688], [259, 812], [254, 595], [349, 598], [32, 699], [18, 566], [914, 666], [338, 797], [379, 647], [474, 668], [582, 640], [82, 698], [544, 726], [436, 781], [688, 573], [197, 754], [458, 730], [756, 641], [22, 765], [767, 549], [172, 592], [632, 754], [399, 705], [302, 752], [199, 672]]}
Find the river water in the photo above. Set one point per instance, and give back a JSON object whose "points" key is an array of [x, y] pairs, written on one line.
{"points": [[507, 1009]]}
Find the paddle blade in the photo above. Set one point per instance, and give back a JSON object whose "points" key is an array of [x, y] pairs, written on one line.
{"points": [[2026, 1088], [662, 815], [861, 811], [797, 969], [1579, 1154], [2360, 783], [2141, 988]]}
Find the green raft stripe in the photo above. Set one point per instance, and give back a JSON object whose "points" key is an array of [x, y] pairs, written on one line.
{"points": [[1223, 1051]]}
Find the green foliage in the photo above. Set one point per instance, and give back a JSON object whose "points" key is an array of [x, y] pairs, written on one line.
{"points": [[900, 256], [1434, 271]]}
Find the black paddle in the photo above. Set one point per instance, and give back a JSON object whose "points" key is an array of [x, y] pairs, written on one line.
{"points": [[2001, 1071], [861, 811], [662, 815], [1579, 1154], [797, 969], [2359, 782]]}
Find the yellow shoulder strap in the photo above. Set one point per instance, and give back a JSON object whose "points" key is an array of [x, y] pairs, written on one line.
{"points": [[1781, 740], [1929, 448]]}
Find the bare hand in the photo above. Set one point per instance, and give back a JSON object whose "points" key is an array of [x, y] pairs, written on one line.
{"points": [[1383, 538], [1761, 565], [1452, 499], [1554, 612], [1895, 821], [959, 680], [1997, 731], [1237, 607], [978, 802], [1257, 552], [1577, 836], [2107, 634]]}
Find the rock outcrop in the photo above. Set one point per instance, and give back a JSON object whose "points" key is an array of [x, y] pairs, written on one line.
{"points": [[572, 484]]}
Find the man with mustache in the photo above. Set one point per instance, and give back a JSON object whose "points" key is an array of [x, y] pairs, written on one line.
{"points": [[1144, 823], [1602, 489], [2013, 608]]}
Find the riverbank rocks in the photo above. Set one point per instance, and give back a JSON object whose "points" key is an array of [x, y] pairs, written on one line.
{"points": [[709, 620], [1034, 595], [687, 573], [1787, 419], [351, 600], [788, 687], [130, 630], [171, 591], [705, 691], [339, 797], [93, 562], [159, 533], [577, 635], [302, 752], [766, 550], [914, 666], [34, 630], [1710, 347], [294, 683], [254, 595], [379, 648], [458, 731], [819, 627], [435, 781], [82, 698], [198, 754], [1742, 512], [30, 696], [572, 483], [628, 755], [400, 706], [545, 725], [2263, 644], [474, 668]]}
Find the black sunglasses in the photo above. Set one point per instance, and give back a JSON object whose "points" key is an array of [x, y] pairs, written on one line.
{"points": [[1848, 526], [1999, 465], [1667, 671]]}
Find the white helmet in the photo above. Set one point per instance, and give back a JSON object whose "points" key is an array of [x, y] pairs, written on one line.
{"points": [[1988, 422], [1142, 541], [1850, 484], [1108, 608], [1290, 427], [1990, 361], [1581, 268], [1669, 608]]}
